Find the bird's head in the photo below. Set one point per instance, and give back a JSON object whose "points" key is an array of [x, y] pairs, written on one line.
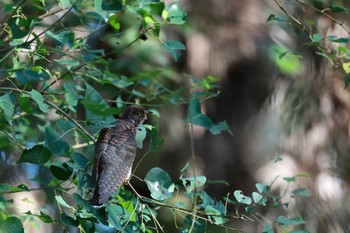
{"points": [[136, 113]]}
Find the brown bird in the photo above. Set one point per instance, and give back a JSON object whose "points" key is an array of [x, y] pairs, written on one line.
{"points": [[115, 151]]}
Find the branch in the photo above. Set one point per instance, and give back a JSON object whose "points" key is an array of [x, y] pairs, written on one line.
{"points": [[70, 118]]}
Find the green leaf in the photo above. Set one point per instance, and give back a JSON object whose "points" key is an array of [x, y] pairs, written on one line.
{"points": [[65, 3], [174, 14], [317, 38], [55, 143], [290, 221], [80, 159], [273, 17], [294, 178], [69, 64], [61, 171], [9, 188], [69, 221], [347, 80], [20, 26], [218, 128], [192, 183], [337, 8], [268, 229], [39, 100], [120, 82], [25, 76], [92, 97], [195, 115], [184, 170], [114, 22], [36, 155], [173, 47], [262, 188], [66, 38], [115, 215], [338, 40], [212, 211], [7, 107], [238, 194], [24, 103], [71, 95], [13, 225], [85, 204], [277, 158], [106, 8], [259, 199], [42, 216], [62, 202], [158, 182], [285, 60], [302, 192], [140, 136], [155, 141], [299, 231]]}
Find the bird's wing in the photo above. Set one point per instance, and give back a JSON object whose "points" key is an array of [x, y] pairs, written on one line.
{"points": [[114, 154]]}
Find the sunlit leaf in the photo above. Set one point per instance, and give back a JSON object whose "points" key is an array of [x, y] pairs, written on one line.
{"points": [[192, 183], [140, 136], [36, 155], [9, 188], [241, 198], [174, 14], [262, 188], [42, 216], [158, 182], [212, 212], [62, 202], [289, 64], [259, 199], [346, 67]]}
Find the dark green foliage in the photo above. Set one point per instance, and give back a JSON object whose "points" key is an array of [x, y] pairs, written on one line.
{"points": [[58, 88]]}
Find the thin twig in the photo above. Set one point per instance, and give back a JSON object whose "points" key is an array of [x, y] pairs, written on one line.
{"points": [[341, 24], [71, 119]]}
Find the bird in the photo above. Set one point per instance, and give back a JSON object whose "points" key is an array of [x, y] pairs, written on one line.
{"points": [[115, 151]]}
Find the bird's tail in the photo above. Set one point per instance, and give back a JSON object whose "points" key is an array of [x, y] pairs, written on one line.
{"points": [[95, 200]]}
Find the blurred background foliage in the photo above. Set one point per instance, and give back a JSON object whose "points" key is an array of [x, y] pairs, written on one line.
{"points": [[250, 124]]}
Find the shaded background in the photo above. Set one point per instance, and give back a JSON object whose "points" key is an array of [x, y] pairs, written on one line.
{"points": [[302, 115]]}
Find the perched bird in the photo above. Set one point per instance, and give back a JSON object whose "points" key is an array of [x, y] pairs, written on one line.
{"points": [[115, 151]]}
